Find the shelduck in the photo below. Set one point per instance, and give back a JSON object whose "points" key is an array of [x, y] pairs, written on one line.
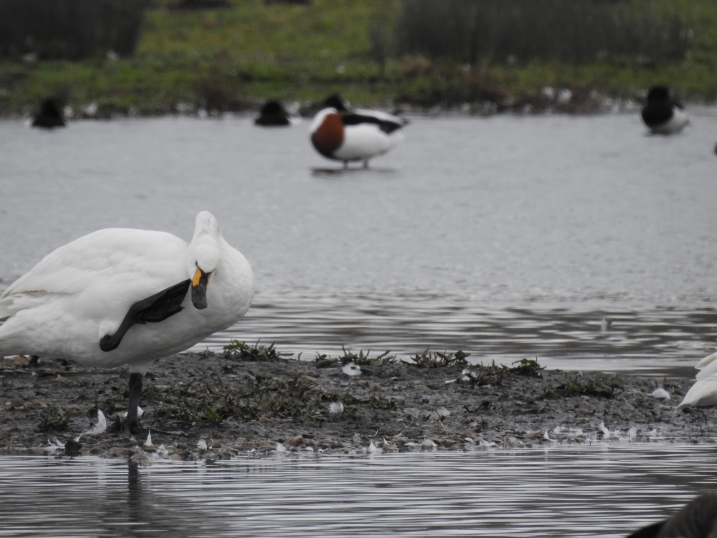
{"points": [[354, 135]]}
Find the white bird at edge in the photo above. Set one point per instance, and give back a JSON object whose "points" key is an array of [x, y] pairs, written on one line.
{"points": [[704, 392], [120, 296]]}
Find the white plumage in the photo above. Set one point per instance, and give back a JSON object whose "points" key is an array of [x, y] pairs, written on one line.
{"points": [[704, 392], [84, 292]]}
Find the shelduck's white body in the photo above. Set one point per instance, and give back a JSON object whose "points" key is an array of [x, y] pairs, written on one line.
{"points": [[356, 135]]}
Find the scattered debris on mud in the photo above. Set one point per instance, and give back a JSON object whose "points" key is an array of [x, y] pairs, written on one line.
{"points": [[255, 400]]}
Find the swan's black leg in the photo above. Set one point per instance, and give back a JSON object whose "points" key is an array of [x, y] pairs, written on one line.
{"points": [[131, 424]]}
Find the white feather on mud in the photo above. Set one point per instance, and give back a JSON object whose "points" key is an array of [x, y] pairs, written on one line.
{"points": [[140, 412], [351, 369], [53, 445], [98, 428], [607, 434]]}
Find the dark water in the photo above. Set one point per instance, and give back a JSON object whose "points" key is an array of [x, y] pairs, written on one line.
{"points": [[506, 237], [597, 491]]}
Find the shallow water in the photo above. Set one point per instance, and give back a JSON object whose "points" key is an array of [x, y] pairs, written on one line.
{"points": [[597, 491], [507, 237]]}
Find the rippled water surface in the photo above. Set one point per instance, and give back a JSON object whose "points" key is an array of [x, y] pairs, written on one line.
{"points": [[589, 491], [506, 237]]}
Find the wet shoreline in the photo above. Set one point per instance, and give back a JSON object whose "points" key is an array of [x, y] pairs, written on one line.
{"points": [[255, 401]]}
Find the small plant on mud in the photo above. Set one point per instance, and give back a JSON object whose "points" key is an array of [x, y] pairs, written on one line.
{"points": [[527, 367], [54, 421], [601, 386], [243, 351], [480, 375], [363, 359], [436, 359]]}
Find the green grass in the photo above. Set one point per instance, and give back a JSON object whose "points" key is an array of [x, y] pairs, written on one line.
{"points": [[241, 56]]}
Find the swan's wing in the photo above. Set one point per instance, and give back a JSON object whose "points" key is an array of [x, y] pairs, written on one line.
{"points": [[706, 361], [710, 370], [702, 394], [111, 262]]}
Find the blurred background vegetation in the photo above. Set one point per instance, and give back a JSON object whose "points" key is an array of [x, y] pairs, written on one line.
{"points": [[160, 56]]}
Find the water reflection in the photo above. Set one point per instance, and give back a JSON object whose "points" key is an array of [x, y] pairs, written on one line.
{"points": [[142, 511], [584, 491], [351, 171]]}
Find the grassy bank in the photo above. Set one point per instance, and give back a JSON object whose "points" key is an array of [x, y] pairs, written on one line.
{"points": [[233, 59]]}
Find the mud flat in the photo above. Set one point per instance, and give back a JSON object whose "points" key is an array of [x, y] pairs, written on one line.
{"points": [[254, 400]]}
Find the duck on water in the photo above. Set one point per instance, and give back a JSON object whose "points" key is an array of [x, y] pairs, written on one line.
{"points": [[663, 114], [274, 114], [124, 296], [49, 116], [354, 135]]}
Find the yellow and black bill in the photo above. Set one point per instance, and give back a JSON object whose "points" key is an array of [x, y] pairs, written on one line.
{"points": [[199, 289]]}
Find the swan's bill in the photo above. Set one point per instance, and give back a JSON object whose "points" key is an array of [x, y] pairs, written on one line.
{"points": [[200, 281]]}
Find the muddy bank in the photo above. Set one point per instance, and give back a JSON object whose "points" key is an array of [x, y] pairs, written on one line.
{"points": [[256, 401]]}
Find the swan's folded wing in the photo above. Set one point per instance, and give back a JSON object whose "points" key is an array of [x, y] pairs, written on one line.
{"points": [[708, 371], [134, 263]]}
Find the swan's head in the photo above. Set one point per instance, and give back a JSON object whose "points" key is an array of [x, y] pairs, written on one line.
{"points": [[204, 255]]}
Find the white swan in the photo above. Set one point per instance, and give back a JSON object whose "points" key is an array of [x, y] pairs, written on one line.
{"points": [[119, 296], [354, 135], [704, 392]]}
